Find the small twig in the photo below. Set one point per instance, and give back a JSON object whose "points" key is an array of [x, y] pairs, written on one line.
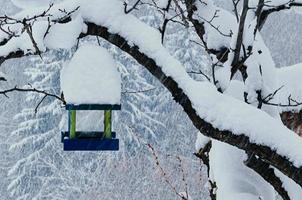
{"points": [[235, 4], [270, 96], [183, 176], [98, 40], [36, 109], [164, 174], [138, 91], [200, 72], [132, 8], [216, 27]]}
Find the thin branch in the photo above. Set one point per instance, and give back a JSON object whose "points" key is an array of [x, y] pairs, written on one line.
{"points": [[183, 176], [163, 173], [239, 36], [17, 89], [216, 27], [200, 72], [138, 91], [28, 29], [235, 4], [36, 109]]}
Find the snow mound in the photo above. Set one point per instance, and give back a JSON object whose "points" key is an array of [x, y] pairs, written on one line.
{"points": [[25, 4], [91, 77]]}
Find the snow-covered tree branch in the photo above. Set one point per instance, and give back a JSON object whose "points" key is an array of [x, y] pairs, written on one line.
{"points": [[238, 108]]}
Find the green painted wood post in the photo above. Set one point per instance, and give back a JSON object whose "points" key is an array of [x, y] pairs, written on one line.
{"points": [[107, 124], [73, 122]]}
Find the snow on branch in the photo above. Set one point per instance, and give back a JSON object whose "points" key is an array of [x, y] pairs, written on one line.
{"points": [[216, 115], [268, 174], [276, 6]]}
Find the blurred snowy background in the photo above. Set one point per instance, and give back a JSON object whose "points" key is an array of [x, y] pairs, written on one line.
{"points": [[33, 165]]}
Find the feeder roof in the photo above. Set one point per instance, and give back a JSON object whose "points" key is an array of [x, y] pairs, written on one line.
{"points": [[91, 77]]}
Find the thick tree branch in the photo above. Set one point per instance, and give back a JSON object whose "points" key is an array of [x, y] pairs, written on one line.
{"points": [[241, 141], [268, 174]]}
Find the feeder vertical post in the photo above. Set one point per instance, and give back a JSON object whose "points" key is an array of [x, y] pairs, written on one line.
{"points": [[107, 124], [73, 121]]}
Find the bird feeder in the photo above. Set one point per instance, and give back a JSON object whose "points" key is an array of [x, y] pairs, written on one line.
{"points": [[90, 81]]}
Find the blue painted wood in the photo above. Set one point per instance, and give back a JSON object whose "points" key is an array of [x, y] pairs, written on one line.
{"points": [[91, 144], [93, 107], [86, 134]]}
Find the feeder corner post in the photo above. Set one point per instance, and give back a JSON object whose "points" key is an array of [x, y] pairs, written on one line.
{"points": [[72, 124], [107, 124]]}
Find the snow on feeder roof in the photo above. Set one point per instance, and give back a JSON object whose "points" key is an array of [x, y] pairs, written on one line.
{"points": [[91, 77]]}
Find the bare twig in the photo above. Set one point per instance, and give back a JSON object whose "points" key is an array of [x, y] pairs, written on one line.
{"points": [[138, 91], [183, 175], [132, 8], [235, 4], [200, 72], [163, 173], [36, 109]]}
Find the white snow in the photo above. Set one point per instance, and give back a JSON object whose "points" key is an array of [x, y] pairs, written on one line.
{"points": [[234, 180], [293, 189], [290, 78], [24, 43], [201, 141], [2, 74], [162, 3], [24, 4], [235, 89], [224, 21], [91, 77], [56, 38]]}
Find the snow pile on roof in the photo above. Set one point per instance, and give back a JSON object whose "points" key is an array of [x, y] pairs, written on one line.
{"points": [[91, 77]]}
